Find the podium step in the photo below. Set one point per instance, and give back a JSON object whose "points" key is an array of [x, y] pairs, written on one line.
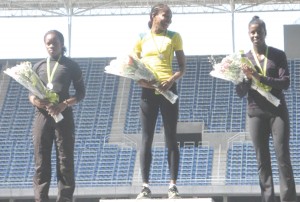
{"points": [[160, 200]]}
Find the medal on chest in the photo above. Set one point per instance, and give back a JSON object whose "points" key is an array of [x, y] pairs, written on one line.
{"points": [[161, 56], [50, 86], [159, 51], [50, 74]]}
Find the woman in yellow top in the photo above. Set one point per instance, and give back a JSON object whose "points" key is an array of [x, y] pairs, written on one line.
{"points": [[156, 49]]}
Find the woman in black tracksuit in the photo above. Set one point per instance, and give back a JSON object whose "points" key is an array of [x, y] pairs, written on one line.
{"points": [[264, 117], [58, 72]]}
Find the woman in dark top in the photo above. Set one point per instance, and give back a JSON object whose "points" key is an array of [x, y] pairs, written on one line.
{"points": [[58, 72], [265, 118]]}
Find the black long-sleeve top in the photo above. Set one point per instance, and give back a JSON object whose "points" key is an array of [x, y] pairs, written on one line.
{"points": [[67, 72], [277, 76]]}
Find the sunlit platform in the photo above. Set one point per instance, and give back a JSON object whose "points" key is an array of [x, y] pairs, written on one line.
{"points": [[160, 200]]}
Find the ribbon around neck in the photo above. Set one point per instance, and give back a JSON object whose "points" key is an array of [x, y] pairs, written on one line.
{"points": [[50, 75], [263, 69]]}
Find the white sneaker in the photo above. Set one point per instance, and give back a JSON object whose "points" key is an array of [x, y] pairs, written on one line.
{"points": [[173, 193], [145, 193]]}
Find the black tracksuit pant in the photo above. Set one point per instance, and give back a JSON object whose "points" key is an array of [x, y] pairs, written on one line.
{"points": [[149, 109], [45, 133], [262, 124]]}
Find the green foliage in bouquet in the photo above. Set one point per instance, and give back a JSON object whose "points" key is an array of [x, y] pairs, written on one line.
{"points": [[24, 74]]}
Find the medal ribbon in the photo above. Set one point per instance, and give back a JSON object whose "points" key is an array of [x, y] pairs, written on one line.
{"points": [[262, 69], [51, 74], [160, 55]]}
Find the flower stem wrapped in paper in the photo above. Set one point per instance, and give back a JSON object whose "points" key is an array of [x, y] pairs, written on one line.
{"points": [[24, 74], [230, 69], [130, 66]]}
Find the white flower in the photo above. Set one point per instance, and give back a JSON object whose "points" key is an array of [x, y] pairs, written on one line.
{"points": [[230, 69], [24, 74], [131, 67]]}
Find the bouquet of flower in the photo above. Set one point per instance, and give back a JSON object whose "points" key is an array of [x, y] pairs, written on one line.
{"points": [[131, 67], [230, 69], [24, 75]]}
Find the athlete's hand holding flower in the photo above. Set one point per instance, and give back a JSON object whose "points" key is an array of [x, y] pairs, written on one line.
{"points": [[236, 68], [166, 85], [40, 96], [147, 84], [40, 103], [130, 66], [55, 109], [249, 72]]}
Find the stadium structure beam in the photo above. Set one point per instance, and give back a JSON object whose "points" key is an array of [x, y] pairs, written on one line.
{"points": [[71, 8], [48, 8]]}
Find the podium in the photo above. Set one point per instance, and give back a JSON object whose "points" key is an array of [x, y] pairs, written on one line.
{"points": [[160, 200]]}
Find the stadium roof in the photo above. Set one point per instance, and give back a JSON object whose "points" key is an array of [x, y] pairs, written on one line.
{"points": [[48, 8]]}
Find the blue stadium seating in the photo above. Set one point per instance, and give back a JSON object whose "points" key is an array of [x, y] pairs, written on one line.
{"points": [[195, 166], [93, 119], [132, 121], [201, 98]]}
